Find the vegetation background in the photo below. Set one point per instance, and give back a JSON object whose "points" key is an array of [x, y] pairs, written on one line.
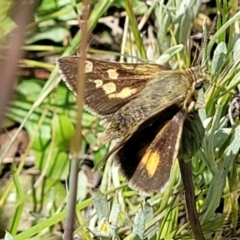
{"points": [[39, 122]]}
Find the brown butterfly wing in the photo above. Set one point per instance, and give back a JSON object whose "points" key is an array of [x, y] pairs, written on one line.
{"points": [[147, 157], [109, 85]]}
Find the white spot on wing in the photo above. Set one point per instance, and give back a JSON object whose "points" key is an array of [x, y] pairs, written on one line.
{"points": [[98, 83], [88, 66], [109, 88], [112, 73]]}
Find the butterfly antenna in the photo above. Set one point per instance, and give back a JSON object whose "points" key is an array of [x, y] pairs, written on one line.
{"points": [[206, 37], [195, 56]]}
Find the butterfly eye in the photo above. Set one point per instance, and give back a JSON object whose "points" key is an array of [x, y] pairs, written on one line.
{"points": [[198, 85]]}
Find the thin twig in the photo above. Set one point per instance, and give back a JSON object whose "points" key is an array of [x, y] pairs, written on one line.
{"points": [[77, 139]]}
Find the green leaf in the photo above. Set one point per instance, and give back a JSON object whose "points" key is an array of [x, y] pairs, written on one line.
{"points": [[139, 225], [100, 204], [8, 236], [114, 214], [30, 88], [42, 135], [219, 58], [56, 34], [82, 186], [221, 136], [167, 55], [62, 127], [98, 155], [236, 51], [53, 162], [47, 6], [149, 215]]}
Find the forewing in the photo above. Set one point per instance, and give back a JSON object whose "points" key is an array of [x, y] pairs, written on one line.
{"points": [[146, 159], [109, 85]]}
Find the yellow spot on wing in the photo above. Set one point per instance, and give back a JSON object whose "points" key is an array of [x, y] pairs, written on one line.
{"points": [[112, 73], [124, 93], [109, 88], [88, 66], [150, 162]]}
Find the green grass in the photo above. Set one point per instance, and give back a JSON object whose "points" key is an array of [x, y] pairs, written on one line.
{"points": [[46, 109]]}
